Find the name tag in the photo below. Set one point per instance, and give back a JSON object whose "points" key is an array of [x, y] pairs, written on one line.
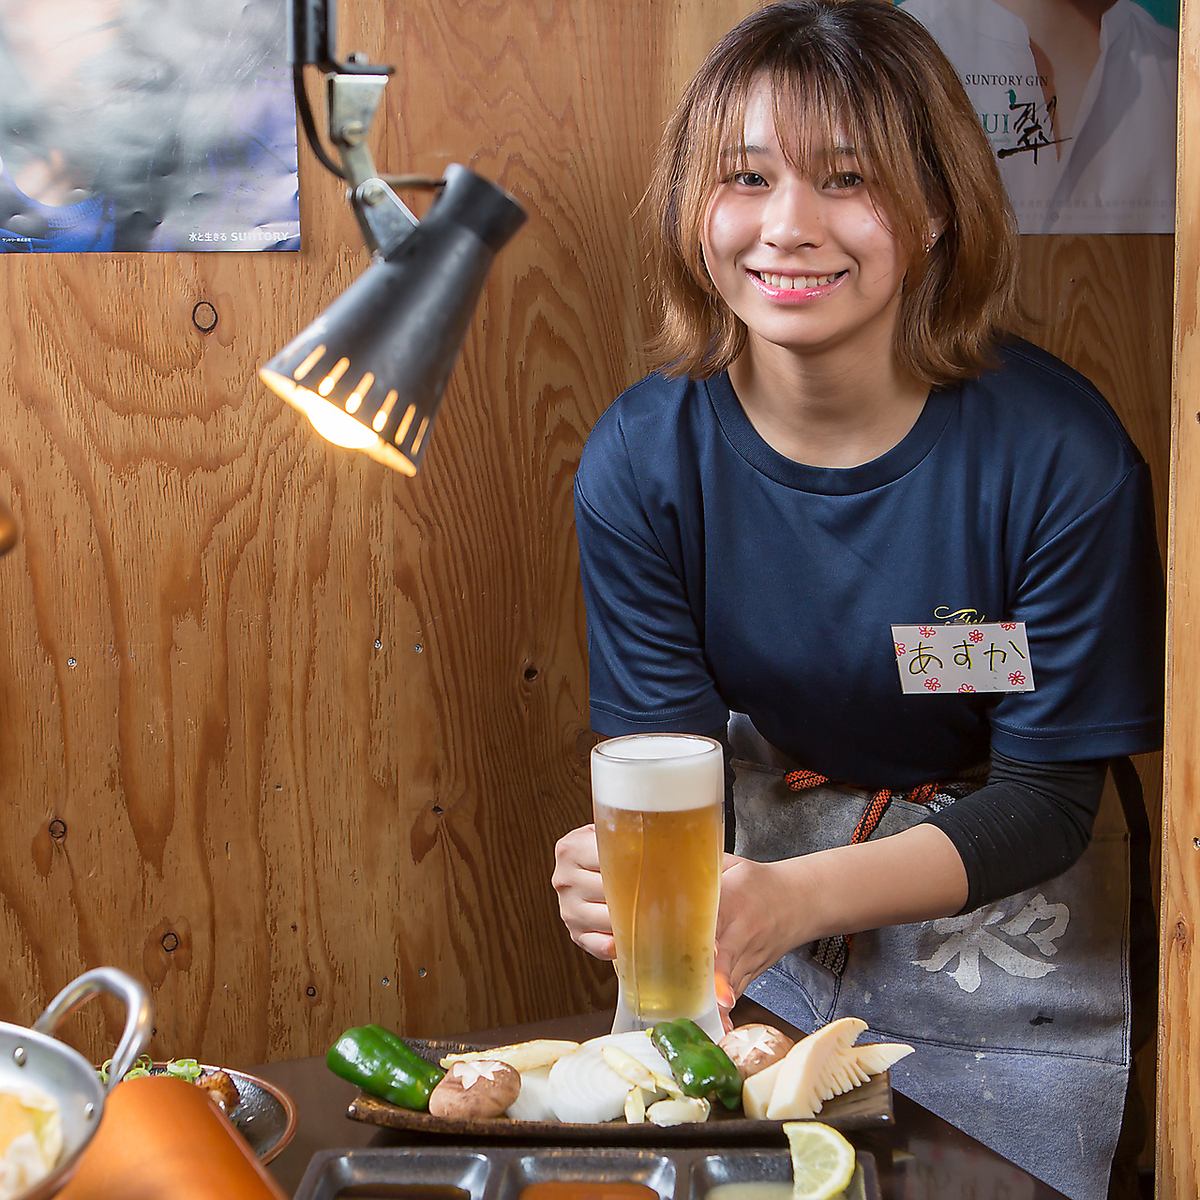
{"points": [[934, 659]]}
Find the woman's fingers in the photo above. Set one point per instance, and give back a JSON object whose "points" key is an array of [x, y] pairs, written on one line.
{"points": [[579, 847], [576, 883], [577, 865], [580, 890], [725, 996], [598, 945], [723, 969], [587, 918]]}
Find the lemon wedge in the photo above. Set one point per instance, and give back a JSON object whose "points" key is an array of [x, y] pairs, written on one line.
{"points": [[822, 1160]]}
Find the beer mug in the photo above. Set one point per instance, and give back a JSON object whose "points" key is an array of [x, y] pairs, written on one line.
{"points": [[660, 814]]}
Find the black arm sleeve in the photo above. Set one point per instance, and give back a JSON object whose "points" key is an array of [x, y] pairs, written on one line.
{"points": [[1027, 824]]}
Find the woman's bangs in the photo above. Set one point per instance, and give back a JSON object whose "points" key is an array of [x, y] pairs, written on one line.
{"points": [[726, 130], [815, 120]]}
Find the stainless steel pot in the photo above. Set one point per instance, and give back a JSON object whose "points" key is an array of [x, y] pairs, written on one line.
{"points": [[33, 1056]]}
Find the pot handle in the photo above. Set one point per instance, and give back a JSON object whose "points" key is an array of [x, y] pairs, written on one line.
{"points": [[109, 981]]}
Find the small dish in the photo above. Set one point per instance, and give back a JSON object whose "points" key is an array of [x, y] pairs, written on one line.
{"points": [[266, 1117]]}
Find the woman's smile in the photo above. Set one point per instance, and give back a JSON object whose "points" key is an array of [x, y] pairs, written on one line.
{"points": [[795, 289]]}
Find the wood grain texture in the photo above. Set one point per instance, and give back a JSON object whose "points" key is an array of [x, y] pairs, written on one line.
{"points": [[1178, 1159], [308, 729]]}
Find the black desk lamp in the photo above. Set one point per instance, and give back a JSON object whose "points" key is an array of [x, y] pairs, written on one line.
{"points": [[369, 372]]}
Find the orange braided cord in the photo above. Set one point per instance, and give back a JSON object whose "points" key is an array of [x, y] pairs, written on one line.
{"points": [[923, 793], [872, 815], [801, 781]]}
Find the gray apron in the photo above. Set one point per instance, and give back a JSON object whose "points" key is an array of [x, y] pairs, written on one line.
{"points": [[1019, 1011]]}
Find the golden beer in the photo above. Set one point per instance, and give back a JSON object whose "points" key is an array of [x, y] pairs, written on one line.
{"points": [[659, 810]]}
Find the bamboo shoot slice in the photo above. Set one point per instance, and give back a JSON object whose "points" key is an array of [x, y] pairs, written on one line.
{"points": [[810, 1073]]}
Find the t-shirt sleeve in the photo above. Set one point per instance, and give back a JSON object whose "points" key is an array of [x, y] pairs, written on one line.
{"points": [[646, 663], [1093, 605]]}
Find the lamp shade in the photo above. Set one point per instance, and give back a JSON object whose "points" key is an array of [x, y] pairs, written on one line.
{"points": [[370, 371]]}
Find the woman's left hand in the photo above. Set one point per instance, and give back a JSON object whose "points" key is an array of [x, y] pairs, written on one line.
{"points": [[756, 923]]}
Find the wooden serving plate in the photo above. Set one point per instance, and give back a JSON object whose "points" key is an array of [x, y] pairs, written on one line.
{"points": [[866, 1107]]}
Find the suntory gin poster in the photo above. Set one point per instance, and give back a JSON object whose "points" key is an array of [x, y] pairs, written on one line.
{"points": [[1077, 98]]}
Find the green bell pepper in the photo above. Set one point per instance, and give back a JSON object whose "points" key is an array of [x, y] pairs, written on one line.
{"points": [[701, 1068], [383, 1065]]}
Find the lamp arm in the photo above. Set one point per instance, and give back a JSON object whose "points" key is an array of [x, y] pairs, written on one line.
{"points": [[385, 220]]}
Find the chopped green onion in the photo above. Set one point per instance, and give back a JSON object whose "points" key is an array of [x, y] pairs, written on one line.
{"points": [[181, 1068], [184, 1068]]}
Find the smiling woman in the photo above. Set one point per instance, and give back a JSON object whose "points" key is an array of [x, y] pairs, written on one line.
{"points": [[846, 442], [801, 255], [826, 109]]}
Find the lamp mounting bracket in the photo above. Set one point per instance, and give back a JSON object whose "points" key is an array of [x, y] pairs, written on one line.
{"points": [[384, 218]]}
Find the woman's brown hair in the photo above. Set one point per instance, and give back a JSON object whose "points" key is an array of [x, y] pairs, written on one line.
{"points": [[866, 70]]}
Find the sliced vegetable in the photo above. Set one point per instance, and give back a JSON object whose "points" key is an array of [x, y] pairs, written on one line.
{"points": [[184, 1068], [384, 1065], [756, 1093], [876, 1057], [521, 1056], [584, 1088], [702, 1068], [181, 1068], [816, 1069], [533, 1101], [687, 1111], [635, 1106], [637, 1073]]}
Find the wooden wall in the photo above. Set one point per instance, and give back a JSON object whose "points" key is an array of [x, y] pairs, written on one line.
{"points": [[1178, 1168], [292, 736]]}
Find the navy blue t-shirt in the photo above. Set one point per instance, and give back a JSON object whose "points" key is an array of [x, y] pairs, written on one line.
{"points": [[720, 575]]}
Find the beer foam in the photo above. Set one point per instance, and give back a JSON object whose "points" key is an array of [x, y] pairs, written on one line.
{"points": [[658, 773]]}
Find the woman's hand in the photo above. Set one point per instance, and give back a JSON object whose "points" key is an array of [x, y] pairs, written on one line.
{"points": [[756, 924], [580, 890]]}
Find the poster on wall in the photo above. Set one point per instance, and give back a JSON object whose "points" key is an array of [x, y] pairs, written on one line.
{"points": [[146, 125], [1078, 100]]}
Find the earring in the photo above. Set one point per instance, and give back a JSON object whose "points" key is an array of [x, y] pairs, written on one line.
{"points": [[929, 245]]}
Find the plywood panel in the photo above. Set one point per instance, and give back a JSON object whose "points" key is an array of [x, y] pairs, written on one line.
{"points": [[309, 730], [1178, 1172], [1103, 304]]}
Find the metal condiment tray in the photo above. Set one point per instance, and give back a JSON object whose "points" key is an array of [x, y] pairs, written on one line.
{"points": [[503, 1172]]}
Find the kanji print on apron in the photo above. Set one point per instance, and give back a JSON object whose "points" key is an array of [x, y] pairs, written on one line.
{"points": [[1019, 1011]]}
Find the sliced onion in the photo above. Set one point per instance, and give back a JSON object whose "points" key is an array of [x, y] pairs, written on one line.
{"points": [[584, 1088], [533, 1102]]}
